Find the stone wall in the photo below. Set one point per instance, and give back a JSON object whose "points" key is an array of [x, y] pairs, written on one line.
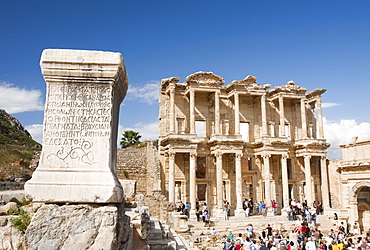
{"points": [[140, 164]]}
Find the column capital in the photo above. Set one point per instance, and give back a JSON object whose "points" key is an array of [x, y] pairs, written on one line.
{"points": [[266, 156], [323, 157], [307, 156], [238, 156], [284, 156], [218, 154], [193, 154], [172, 155]]}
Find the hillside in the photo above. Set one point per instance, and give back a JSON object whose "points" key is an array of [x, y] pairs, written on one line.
{"points": [[16, 148]]}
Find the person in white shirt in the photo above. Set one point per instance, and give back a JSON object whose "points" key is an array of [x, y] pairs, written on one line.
{"points": [[310, 245]]}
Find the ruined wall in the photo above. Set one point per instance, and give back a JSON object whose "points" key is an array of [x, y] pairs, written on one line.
{"points": [[142, 165]]}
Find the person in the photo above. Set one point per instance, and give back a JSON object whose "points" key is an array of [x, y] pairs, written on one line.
{"points": [[249, 230], [197, 212], [213, 233], [274, 206], [335, 219], [310, 245], [269, 231], [247, 244], [314, 218], [232, 246], [207, 218], [226, 209], [187, 209], [355, 229]]}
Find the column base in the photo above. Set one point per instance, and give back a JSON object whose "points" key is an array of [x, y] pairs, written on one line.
{"points": [[217, 212], [239, 213]]}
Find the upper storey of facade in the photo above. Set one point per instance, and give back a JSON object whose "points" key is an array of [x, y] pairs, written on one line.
{"points": [[203, 110]]}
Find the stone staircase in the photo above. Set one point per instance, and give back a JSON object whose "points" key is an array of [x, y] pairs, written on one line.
{"points": [[238, 225]]}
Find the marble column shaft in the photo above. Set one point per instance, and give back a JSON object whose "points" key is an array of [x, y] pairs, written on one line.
{"points": [[217, 112], [319, 119], [303, 118], [219, 181], [192, 170], [171, 177], [237, 120], [281, 114], [264, 115], [192, 111], [307, 167], [172, 108], [238, 181], [266, 166], [324, 182], [284, 177]]}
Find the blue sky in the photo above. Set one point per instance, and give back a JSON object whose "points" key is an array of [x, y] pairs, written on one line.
{"points": [[317, 44]]}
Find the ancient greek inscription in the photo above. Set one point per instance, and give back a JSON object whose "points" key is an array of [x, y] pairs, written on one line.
{"points": [[75, 117]]}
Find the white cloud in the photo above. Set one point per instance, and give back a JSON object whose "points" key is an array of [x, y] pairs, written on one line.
{"points": [[329, 104], [147, 93], [342, 132], [16, 100], [36, 132], [148, 131]]}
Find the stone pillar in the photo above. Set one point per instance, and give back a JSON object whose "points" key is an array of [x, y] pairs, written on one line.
{"points": [[238, 185], [172, 108], [193, 161], [284, 177], [236, 110], [266, 167], [303, 118], [192, 111], [319, 119], [217, 112], [171, 177], [324, 183], [264, 115], [78, 159], [219, 181], [307, 167], [281, 113]]}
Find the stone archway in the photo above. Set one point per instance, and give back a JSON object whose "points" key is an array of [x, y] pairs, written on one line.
{"points": [[359, 197]]}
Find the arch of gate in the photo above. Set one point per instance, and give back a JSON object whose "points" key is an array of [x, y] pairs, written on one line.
{"points": [[355, 189]]}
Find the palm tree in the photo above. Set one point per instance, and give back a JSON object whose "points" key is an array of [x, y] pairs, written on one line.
{"points": [[130, 138]]}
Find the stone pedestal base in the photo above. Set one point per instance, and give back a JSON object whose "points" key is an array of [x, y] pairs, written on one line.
{"points": [[239, 213], [79, 227]]}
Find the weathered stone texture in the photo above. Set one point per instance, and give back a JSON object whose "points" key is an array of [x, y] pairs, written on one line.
{"points": [[77, 163], [78, 227], [140, 164]]}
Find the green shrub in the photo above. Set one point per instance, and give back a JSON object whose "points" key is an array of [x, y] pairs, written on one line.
{"points": [[21, 222]]}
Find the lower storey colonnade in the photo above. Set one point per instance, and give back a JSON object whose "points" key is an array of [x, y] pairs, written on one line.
{"points": [[233, 177]]}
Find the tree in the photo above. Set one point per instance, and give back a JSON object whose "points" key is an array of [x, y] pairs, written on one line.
{"points": [[130, 138]]}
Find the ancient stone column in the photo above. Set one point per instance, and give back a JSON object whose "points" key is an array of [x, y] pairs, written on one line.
{"points": [[281, 113], [217, 112], [192, 111], [264, 115], [303, 118], [238, 181], [307, 167], [171, 177], [319, 119], [219, 181], [324, 182], [284, 177], [172, 108], [192, 170], [266, 167], [236, 110], [78, 159]]}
